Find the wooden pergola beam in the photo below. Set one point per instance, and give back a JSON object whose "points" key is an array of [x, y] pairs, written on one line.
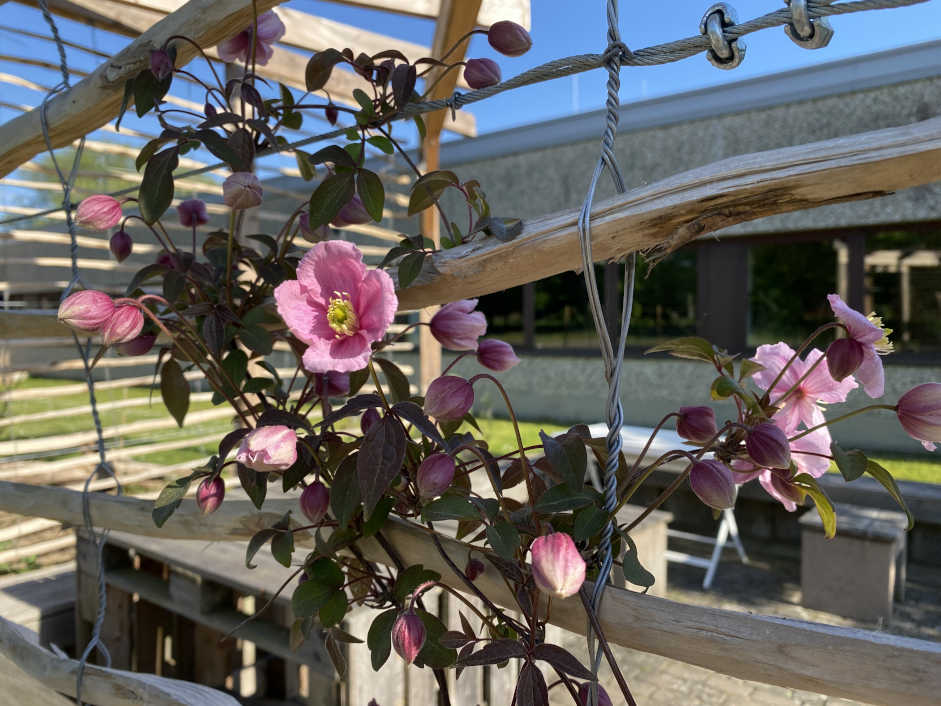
{"points": [[490, 11], [669, 213], [790, 653]]}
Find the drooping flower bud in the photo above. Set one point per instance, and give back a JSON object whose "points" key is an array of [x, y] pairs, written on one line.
{"points": [[435, 475], [124, 325], [209, 494], [370, 417], [121, 245], [767, 446], [99, 212], [408, 636], [271, 448], [192, 212], [457, 326], [509, 38], [314, 501], [496, 355], [558, 568], [449, 397], [137, 346], [713, 483], [86, 311], [474, 568], [481, 73], [584, 693], [161, 65], [312, 235], [332, 384], [698, 424], [242, 190], [919, 413], [331, 113], [353, 213], [844, 356]]}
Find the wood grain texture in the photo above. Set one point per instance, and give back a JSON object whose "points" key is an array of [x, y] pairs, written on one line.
{"points": [[490, 10], [664, 215], [857, 664]]}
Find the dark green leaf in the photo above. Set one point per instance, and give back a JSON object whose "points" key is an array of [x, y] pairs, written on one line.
{"points": [[213, 332], [379, 638], [257, 339], [320, 67], [175, 390], [254, 484], [409, 268], [235, 365], [410, 579], [412, 413], [169, 499], [588, 522], [304, 166], [504, 538], [433, 654], [691, 347], [142, 275], [808, 484], [371, 192], [333, 153], [428, 188], [344, 492], [398, 383], [884, 477], [634, 572], [148, 91], [420, 124], [125, 102], [257, 541], [380, 459], [156, 189], [378, 517], [449, 507], [560, 498], [324, 578], [568, 458], [282, 547], [333, 609], [852, 464], [381, 142], [230, 440], [329, 197]]}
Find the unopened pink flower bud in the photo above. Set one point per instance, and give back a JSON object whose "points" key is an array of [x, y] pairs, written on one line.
{"points": [[331, 113], [124, 325], [86, 311], [435, 475], [481, 73], [332, 384], [353, 213], [496, 355], [241, 190], [271, 448], [768, 446], [713, 483], [314, 501], [312, 235], [844, 356], [584, 693], [192, 212], [449, 397], [919, 413], [457, 326], [121, 245], [137, 346], [161, 65], [408, 636], [370, 417], [698, 424], [509, 38], [99, 212], [474, 568], [209, 494], [558, 568]]}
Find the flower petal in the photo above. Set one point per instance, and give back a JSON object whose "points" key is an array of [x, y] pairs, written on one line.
{"points": [[332, 266], [377, 304], [871, 374], [857, 325], [777, 488], [820, 385]]}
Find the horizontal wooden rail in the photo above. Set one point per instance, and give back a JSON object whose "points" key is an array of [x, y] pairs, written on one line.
{"points": [[669, 213], [846, 662]]}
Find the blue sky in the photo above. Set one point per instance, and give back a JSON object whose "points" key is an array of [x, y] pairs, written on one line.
{"points": [[559, 28]]}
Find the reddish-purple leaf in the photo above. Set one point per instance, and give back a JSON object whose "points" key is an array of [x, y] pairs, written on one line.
{"points": [[494, 653], [562, 659]]}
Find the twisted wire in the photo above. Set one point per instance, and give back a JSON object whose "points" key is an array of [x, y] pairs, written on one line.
{"points": [[103, 467], [568, 66]]}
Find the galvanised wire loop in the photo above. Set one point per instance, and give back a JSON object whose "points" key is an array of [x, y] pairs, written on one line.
{"points": [[724, 53], [805, 32]]}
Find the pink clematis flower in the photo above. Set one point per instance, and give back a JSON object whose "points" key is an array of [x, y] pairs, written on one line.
{"points": [[802, 405], [809, 454], [270, 448], [239, 47], [558, 567], [874, 339], [337, 307]]}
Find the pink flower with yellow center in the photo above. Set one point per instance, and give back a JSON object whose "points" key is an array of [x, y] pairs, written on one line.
{"points": [[337, 307], [869, 333]]}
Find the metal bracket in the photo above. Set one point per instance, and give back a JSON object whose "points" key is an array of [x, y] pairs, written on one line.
{"points": [[805, 32], [723, 54]]}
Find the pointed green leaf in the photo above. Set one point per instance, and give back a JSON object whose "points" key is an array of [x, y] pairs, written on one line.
{"points": [[852, 464], [175, 390], [884, 477], [371, 192]]}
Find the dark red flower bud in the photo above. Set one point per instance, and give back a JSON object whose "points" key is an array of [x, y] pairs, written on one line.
{"points": [[314, 501], [449, 397], [331, 114], [121, 245], [919, 413], [312, 235], [192, 212], [370, 417], [698, 424], [496, 355], [209, 494], [474, 568], [408, 636], [353, 213], [509, 38], [768, 446], [161, 65], [481, 73], [584, 692], [331, 384], [844, 356], [713, 483], [137, 346], [435, 475]]}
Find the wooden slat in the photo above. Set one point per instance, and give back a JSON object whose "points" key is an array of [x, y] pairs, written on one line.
{"points": [[490, 11], [95, 100], [789, 653], [86, 409], [669, 213]]}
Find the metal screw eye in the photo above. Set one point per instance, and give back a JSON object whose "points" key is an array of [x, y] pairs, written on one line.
{"points": [[805, 32]]}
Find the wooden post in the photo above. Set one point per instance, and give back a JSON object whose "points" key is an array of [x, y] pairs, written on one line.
{"points": [[856, 271], [529, 315], [429, 350]]}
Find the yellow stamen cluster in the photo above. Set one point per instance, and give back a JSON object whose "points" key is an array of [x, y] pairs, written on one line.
{"points": [[341, 316], [883, 346]]}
